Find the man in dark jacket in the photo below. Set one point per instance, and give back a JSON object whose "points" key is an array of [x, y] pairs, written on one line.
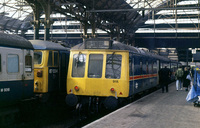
{"points": [[164, 78]]}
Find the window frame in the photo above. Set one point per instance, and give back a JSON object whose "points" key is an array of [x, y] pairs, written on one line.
{"points": [[89, 66], [121, 57], [9, 63], [48, 61], [54, 54], [73, 60], [41, 57], [28, 55]]}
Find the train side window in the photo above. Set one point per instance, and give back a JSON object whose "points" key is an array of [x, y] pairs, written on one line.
{"points": [[150, 67], [55, 58], [0, 62], [154, 67], [95, 66], [130, 67], [78, 66], [37, 57], [113, 66], [50, 59], [141, 71], [13, 63], [147, 67], [28, 63]]}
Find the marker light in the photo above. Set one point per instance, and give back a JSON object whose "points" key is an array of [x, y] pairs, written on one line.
{"points": [[76, 88], [112, 90], [39, 73]]}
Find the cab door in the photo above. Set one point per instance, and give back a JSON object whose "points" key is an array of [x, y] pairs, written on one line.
{"points": [[53, 71], [63, 68], [27, 76]]}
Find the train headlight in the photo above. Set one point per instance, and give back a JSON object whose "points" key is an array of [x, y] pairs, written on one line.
{"points": [[76, 88], [39, 73], [112, 90], [37, 84]]}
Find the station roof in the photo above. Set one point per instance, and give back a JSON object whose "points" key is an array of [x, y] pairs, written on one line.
{"points": [[128, 15], [15, 15]]}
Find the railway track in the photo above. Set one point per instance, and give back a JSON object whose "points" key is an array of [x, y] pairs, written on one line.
{"points": [[51, 115]]}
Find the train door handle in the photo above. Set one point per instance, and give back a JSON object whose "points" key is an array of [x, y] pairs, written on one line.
{"points": [[23, 77]]}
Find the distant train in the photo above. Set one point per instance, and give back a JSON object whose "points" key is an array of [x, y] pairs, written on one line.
{"points": [[104, 73], [16, 69], [50, 69]]}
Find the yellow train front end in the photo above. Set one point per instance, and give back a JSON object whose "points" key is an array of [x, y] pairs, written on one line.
{"points": [[103, 74], [45, 73], [40, 71]]}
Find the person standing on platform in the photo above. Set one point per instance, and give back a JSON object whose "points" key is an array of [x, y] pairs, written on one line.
{"points": [[179, 75], [186, 80], [164, 78]]}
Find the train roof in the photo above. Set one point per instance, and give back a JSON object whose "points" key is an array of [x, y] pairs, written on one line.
{"points": [[47, 45], [14, 41], [120, 46]]}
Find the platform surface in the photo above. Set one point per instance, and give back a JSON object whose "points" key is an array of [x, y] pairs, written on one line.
{"points": [[157, 110]]}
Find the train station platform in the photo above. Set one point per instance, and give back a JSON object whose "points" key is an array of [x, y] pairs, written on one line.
{"points": [[156, 110]]}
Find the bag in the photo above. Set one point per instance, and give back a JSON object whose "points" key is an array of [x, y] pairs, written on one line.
{"points": [[188, 77], [179, 73], [192, 95]]}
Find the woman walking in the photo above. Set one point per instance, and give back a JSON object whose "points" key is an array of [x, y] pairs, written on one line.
{"points": [[186, 81]]}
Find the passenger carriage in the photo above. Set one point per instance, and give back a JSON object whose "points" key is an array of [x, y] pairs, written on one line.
{"points": [[16, 69]]}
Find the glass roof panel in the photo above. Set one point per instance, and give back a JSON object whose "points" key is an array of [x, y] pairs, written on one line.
{"points": [[17, 9], [188, 19], [145, 4]]}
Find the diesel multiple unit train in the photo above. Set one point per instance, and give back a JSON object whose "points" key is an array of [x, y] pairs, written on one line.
{"points": [[102, 72]]}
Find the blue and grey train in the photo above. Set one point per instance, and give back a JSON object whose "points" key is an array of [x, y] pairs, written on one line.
{"points": [[16, 69]]}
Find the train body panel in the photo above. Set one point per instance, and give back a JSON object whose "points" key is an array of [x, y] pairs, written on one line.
{"points": [[16, 69], [95, 83]]}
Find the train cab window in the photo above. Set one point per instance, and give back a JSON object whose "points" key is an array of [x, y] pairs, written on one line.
{"points": [[55, 58], [28, 63], [13, 63], [37, 57], [50, 59], [154, 67], [78, 66], [113, 66], [95, 66]]}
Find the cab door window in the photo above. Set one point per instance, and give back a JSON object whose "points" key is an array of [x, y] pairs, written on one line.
{"points": [[55, 58], [113, 66], [50, 63], [78, 66], [37, 57], [95, 66], [28, 63]]}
